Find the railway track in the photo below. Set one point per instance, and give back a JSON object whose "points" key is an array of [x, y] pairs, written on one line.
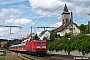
{"points": [[47, 57]]}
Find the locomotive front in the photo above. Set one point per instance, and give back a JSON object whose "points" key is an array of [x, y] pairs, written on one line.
{"points": [[37, 47], [41, 47]]}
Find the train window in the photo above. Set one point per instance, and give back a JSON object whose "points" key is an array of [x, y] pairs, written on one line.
{"points": [[41, 42], [38, 42]]}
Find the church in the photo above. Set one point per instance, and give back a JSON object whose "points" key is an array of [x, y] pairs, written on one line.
{"points": [[68, 26]]}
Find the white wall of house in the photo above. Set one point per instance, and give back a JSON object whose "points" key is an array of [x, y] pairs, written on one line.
{"points": [[46, 34], [76, 30]]}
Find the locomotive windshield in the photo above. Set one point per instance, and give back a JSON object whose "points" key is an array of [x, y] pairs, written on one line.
{"points": [[41, 42]]}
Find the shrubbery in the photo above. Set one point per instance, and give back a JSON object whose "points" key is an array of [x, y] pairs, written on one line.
{"points": [[80, 43]]}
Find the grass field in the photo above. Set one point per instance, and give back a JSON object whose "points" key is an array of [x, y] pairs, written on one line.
{"points": [[8, 57]]}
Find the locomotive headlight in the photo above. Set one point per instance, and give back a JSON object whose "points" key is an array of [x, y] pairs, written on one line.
{"points": [[43, 46], [37, 46]]}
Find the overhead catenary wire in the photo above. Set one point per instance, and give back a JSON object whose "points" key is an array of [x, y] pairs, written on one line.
{"points": [[45, 10], [52, 12], [49, 13]]}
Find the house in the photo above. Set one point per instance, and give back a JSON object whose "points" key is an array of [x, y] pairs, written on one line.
{"points": [[45, 33], [2, 52], [2, 42], [67, 25], [27, 38]]}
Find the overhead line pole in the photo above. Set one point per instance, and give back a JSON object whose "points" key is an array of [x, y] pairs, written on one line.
{"points": [[10, 27], [72, 23], [31, 32], [46, 27]]}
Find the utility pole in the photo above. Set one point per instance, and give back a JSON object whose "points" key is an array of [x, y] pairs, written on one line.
{"points": [[31, 33], [71, 24]]}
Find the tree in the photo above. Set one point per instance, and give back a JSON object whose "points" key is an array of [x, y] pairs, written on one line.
{"points": [[7, 45], [52, 36], [16, 41], [45, 38], [83, 28], [36, 37]]}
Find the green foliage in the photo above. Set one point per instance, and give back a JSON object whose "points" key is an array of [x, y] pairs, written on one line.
{"points": [[2, 58], [45, 38], [10, 42], [2, 55], [36, 37], [83, 29], [80, 43], [52, 36], [15, 41], [7, 45], [68, 35]]}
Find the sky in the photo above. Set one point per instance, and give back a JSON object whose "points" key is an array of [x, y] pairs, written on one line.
{"points": [[38, 13]]}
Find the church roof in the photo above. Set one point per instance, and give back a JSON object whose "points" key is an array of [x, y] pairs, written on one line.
{"points": [[62, 27], [65, 11]]}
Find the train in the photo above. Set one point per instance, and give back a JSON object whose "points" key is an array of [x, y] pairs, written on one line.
{"points": [[37, 47]]}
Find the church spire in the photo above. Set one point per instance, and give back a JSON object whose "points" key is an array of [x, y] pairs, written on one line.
{"points": [[65, 8], [65, 11], [65, 15]]}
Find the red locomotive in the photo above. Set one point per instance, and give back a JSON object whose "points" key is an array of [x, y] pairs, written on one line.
{"points": [[37, 47]]}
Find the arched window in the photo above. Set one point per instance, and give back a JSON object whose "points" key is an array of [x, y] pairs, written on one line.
{"points": [[66, 20]]}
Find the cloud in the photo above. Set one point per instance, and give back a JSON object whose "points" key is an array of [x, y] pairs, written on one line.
{"points": [[14, 16], [1, 15], [77, 6], [9, 13], [22, 21], [10, 10], [3, 31], [56, 24], [40, 6], [9, 21], [10, 1]]}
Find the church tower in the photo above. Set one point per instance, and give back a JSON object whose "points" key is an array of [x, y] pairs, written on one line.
{"points": [[65, 15]]}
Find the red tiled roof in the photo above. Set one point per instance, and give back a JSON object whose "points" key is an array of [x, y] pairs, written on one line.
{"points": [[62, 27], [28, 36]]}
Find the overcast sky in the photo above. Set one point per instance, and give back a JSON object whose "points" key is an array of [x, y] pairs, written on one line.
{"points": [[37, 13]]}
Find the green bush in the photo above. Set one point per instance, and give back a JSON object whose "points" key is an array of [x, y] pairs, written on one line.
{"points": [[80, 43]]}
